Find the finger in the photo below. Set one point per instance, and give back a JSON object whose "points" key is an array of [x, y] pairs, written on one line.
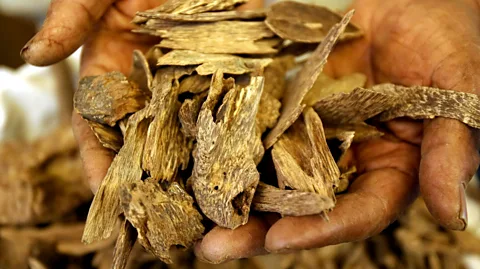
{"points": [[374, 200], [221, 245], [96, 159], [449, 161], [65, 29], [407, 130], [449, 149]]}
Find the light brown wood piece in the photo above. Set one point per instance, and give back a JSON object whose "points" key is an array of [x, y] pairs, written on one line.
{"points": [[167, 149], [125, 168], [142, 17], [163, 218], [268, 112], [303, 160], [307, 23], [229, 37], [124, 245], [275, 75], [289, 202], [224, 175], [196, 6], [108, 98], [427, 103], [210, 63], [362, 132], [194, 84], [303, 82]]}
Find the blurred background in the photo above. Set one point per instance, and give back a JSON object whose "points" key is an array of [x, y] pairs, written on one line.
{"points": [[44, 199]]}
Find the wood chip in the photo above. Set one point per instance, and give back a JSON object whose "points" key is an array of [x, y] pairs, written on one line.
{"points": [[268, 112], [124, 245], [108, 98], [210, 63], [307, 23], [167, 148], [224, 175], [231, 37], [362, 132], [354, 107], [194, 84], [201, 17], [196, 6], [163, 218], [303, 82], [289, 202], [125, 168], [109, 137], [188, 114], [141, 73], [426, 103], [275, 75], [303, 160]]}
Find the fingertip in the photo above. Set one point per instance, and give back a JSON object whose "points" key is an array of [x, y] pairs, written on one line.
{"points": [[221, 245]]}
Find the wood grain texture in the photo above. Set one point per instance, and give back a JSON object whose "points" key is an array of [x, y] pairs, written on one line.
{"points": [[163, 218], [306, 23], [108, 98], [196, 6], [143, 17], [188, 114], [141, 73], [210, 63], [224, 175], [289, 202], [303, 82], [124, 245]]}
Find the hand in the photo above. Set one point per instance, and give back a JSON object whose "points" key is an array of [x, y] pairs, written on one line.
{"points": [[409, 42], [104, 27]]}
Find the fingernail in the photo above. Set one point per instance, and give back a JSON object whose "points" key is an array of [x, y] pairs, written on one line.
{"points": [[25, 49], [463, 212]]}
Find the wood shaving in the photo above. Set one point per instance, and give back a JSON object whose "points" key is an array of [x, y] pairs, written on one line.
{"points": [[142, 17], [197, 6]]}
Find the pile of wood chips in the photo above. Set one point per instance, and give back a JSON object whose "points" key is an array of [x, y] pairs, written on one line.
{"points": [[193, 120]]}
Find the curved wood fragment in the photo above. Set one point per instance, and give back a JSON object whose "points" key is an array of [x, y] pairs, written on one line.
{"points": [[109, 137], [224, 175], [303, 82], [163, 218], [307, 23], [290, 202], [141, 72]]}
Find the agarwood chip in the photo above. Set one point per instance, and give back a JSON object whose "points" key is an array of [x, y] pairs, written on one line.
{"points": [[210, 63], [230, 37], [196, 6], [307, 23], [125, 168], [194, 84], [345, 177], [362, 132], [354, 107], [268, 112], [109, 137], [201, 17], [224, 175], [303, 82], [108, 98], [141, 72], [303, 160], [426, 103], [290, 202], [163, 218], [124, 245], [167, 149], [325, 86], [188, 114], [218, 88]]}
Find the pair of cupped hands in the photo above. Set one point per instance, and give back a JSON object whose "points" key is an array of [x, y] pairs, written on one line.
{"points": [[409, 42]]}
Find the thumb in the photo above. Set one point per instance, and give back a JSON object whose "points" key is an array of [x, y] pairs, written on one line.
{"points": [[65, 29], [449, 148]]}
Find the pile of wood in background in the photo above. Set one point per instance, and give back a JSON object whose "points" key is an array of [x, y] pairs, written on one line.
{"points": [[194, 118]]}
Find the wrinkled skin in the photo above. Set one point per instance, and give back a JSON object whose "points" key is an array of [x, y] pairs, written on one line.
{"points": [[410, 42]]}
